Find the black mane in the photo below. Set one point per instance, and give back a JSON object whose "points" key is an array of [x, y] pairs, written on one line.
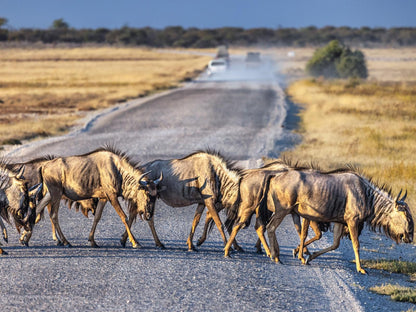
{"points": [[231, 165]]}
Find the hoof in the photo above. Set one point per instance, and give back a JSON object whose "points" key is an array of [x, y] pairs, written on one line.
{"points": [[137, 246], [67, 245], [160, 246], [238, 249], [24, 243], [122, 243], [307, 260], [294, 253], [192, 249], [94, 245], [362, 271], [199, 242], [259, 251]]}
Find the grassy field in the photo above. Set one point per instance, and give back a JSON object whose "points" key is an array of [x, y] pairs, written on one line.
{"points": [[44, 92]]}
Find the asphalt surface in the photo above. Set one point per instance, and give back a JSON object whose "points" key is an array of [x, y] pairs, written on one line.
{"points": [[243, 115]]}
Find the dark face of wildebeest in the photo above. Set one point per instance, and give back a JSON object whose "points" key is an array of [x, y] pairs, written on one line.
{"points": [[401, 226], [147, 195], [14, 195]]}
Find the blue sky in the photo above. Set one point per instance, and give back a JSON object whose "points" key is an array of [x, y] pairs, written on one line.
{"points": [[209, 13]]}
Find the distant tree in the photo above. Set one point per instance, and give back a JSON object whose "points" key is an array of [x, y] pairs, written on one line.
{"points": [[323, 61], [337, 61], [352, 64], [59, 24], [3, 32], [3, 21]]}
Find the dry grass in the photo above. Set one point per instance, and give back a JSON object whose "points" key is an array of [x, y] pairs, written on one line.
{"points": [[396, 292], [392, 266], [45, 91]]}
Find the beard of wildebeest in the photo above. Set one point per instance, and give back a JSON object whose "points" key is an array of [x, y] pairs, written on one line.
{"points": [[105, 174], [394, 217], [14, 198]]}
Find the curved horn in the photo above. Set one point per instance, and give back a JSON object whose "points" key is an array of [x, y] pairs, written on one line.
{"points": [[404, 196], [159, 179], [19, 175], [142, 176], [398, 196]]}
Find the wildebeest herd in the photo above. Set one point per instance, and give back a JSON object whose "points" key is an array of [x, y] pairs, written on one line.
{"points": [[343, 197]]}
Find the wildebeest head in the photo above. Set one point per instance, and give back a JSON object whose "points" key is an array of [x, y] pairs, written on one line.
{"points": [[14, 194], [147, 194], [401, 223]]}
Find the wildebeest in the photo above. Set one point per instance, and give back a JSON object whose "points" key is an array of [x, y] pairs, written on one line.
{"points": [[14, 197], [205, 178], [105, 174], [33, 177], [341, 196], [251, 191]]}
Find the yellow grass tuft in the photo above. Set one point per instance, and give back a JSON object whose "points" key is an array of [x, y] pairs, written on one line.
{"points": [[396, 292]]}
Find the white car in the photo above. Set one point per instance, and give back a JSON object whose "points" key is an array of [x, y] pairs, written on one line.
{"points": [[217, 66]]}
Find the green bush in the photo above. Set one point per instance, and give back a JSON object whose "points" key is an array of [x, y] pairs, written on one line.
{"points": [[337, 61]]}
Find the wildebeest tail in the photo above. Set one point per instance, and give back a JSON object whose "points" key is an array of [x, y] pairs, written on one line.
{"points": [[40, 196], [324, 226], [232, 213], [264, 213]]}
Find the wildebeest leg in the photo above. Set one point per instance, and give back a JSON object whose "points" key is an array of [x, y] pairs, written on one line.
{"points": [[260, 229], [123, 217], [318, 235], [245, 216], [353, 229], [203, 237], [234, 232], [155, 237], [213, 212], [55, 222], [303, 235], [97, 217], [4, 231], [271, 227], [338, 231], [208, 221], [2, 252], [123, 239], [198, 212], [54, 237]]}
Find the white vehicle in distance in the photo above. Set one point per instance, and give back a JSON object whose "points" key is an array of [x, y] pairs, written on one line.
{"points": [[217, 66]]}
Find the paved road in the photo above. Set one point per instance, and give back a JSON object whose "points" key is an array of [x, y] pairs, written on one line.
{"points": [[243, 120]]}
